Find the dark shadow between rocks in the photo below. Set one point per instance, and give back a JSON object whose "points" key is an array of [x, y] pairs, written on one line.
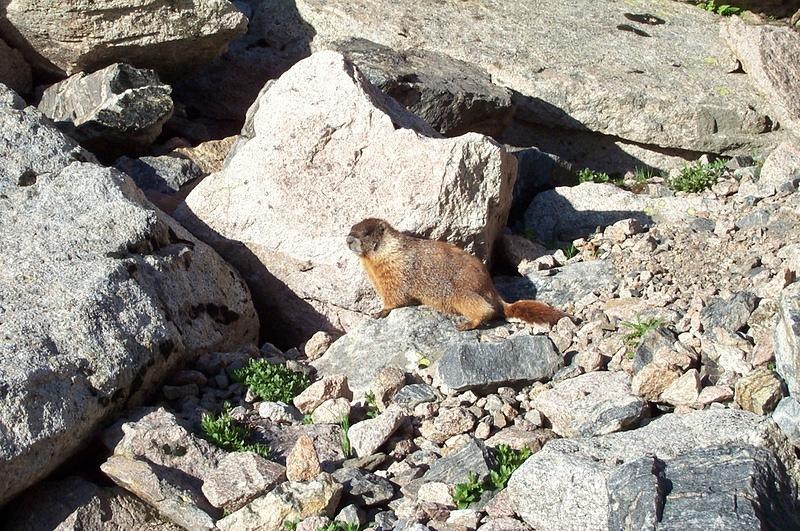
{"points": [[218, 95], [280, 329]]}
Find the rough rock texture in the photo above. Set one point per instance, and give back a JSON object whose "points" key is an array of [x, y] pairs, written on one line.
{"points": [[787, 339], [47, 150], [302, 463], [403, 339], [516, 361], [759, 392], [566, 484], [15, 72], [326, 388], [664, 83], [454, 97], [782, 166], [179, 504], [456, 467], [368, 435], [287, 502], [565, 213], [75, 503], [165, 174], [240, 478], [596, 403], [113, 295], [84, 35], [768, 54], [329, 150], [787, 417], [561, 286], [117, 108]]}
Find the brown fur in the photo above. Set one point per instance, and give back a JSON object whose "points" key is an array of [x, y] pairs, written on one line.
{"points": [[406, 270]]}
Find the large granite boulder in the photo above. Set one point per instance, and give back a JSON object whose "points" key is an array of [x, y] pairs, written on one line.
{"points": [[327, 150], [658, 74], [172, 37], [768, 54], [100, 296], [117, 108], [714, 469]]}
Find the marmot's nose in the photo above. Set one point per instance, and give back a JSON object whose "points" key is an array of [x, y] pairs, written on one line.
{"points": [[350, 239]]}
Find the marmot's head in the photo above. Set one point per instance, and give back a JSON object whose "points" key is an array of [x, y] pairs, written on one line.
{"points": [[365, 237]]}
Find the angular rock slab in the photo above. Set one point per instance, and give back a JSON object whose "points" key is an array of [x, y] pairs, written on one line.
{"points": [[406, 338], [64, 38], [287, 502], [565, 285], [596, 403], [519, 360], [117, 108], [74, 503], [101, 296], [566, 213], [787, 339], [567, 485], [329, 150], [768, 54], [664, 83], [46, 149], [454, 97]]}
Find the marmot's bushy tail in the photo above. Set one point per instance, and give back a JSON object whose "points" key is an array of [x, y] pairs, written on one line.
{"points": [[532, 312]]}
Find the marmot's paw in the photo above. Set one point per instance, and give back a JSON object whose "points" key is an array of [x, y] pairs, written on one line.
{"points": [[381, 314]]}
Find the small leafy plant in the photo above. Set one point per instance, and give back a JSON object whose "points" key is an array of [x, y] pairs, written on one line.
{"points": [[340, 526], [270, 381], [642, 175], [227, 433], [308, 419], [372, 405], [347, 449], [291, 525], [637, 330], [725, 10], [464, 494], [590, 176], [570, 250], [508, 460], [697, 177]]}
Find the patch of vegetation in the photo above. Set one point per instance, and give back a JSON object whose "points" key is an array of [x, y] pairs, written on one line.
{"points": [[291, 525], [372, 405], [227, 433], [697, 176], [725, 10], [771, 365], [308, 419], [570, 250], [270, 381], [590, 176], [465, 494], [642, 175], [507, 459], [347, 449], [637, 330], [340, 526]]}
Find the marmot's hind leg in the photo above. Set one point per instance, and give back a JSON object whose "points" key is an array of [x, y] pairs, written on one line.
{"points": [[476, 309]]}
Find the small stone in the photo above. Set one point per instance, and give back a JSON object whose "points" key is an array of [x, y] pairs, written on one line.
{"points": [[313, 523], [240, 478], [500, 506], [176, 392], [302, 463], [364, 488], [535, 418], [278, 412], [436, 492], [483, 431], [369, 435], [317, 345], [189, 376], [428, 430], [388, 381], [715, 393], [683, 391], [334, 386], [409, 396], [331, 411], [464, 518], [519, 439], [352, 515], [759, 392], [787, 417], [652, 380], [619, 231], [452, 421]]}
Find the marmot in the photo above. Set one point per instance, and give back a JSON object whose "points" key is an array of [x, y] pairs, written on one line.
{"points": [[406, 270]]}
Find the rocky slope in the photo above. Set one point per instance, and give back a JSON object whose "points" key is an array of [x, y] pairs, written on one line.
{"points": [[141, 383]]}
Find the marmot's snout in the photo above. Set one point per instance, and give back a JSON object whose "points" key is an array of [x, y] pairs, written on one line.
{"points": [[354, 244]]}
